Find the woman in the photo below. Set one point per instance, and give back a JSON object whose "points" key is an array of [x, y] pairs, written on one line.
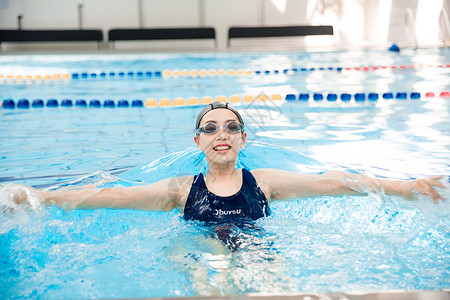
{"points": [[224, 192]]}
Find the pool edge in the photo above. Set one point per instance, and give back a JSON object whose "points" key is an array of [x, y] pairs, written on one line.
{"points": [[354, 295]]}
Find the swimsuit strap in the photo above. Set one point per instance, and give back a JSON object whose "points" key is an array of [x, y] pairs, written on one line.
{"points": [[248, 179]]}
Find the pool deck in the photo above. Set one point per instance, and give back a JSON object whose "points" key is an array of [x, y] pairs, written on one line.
{"points": [[174, 48], [387, 295]]}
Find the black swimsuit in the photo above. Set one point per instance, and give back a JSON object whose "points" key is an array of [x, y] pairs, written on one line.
{"points": [[249, 203]]}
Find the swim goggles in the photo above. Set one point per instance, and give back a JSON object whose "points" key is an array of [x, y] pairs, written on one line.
{"points": [[211, 128], [216, 105]]}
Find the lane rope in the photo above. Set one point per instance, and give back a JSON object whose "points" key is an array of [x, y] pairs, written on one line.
{"points": [[194, 73], [236, 99]]}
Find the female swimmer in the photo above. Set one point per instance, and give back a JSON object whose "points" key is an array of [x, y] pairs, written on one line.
{"points": [[225, 193]]}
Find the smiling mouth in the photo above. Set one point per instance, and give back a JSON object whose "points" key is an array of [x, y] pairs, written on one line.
{"points": [[222, 148]]}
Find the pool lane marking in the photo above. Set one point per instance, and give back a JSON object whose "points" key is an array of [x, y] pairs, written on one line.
{"points": [[179, 101], [194, 73]]}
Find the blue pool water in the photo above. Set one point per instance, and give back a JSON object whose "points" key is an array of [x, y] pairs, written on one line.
{"points": [[331, 244]]}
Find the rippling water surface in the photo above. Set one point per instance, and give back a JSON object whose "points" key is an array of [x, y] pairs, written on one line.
{"points": [[373, 242]]}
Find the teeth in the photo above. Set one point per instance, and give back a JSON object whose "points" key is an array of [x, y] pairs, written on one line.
{"points": [[220, 148]]}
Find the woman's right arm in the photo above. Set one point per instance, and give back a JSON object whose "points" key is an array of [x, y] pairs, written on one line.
{"points": [[163, 195]]}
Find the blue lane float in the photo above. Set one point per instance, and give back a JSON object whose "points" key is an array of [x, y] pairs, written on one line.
{"points": [[37, 103], [388, 96], [109, 104], [23, 103], [373, 96], [318, 97], [346, 97], [131, 74], [415, 95], [137, 103], [52, 103], [95, 103], [332, 97], [303, 97], [66, 103], [81, 103], [8, 103], [290, 97], [401, 95], [123, 103], [360, 97]]}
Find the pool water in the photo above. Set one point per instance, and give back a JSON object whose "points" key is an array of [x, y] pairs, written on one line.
{"points": [[323, 244]]}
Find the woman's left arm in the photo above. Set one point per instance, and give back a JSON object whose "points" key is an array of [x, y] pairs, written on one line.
{"points": [[280, 184]]}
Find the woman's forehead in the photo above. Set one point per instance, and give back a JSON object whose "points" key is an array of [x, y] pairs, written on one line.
{"points": [[219, 115]]}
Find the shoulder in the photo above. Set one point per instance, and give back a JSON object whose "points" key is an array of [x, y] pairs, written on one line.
{"points": [[181, 180], [274, 181], [264, 178], [180, 187], [263, 175], [181, 183], [267, 176], [175, 189]]}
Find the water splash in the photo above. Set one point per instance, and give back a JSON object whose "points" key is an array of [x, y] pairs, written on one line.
{"points": [[320, 244], [192, 161]]}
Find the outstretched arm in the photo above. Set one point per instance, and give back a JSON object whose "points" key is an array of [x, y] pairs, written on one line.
{"points": [[279, 184], [162, 195]]}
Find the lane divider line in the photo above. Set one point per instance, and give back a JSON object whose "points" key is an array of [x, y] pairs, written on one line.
{"points": [[179, 101], [194, 73]]}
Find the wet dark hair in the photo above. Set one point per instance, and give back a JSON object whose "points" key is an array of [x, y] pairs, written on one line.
{"points": [[216, 105]]}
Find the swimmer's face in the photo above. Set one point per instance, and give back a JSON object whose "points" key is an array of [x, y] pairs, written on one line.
{"points": [[222, 146]]}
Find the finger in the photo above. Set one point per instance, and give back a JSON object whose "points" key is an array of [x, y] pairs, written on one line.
{"points": [[434, 182], [425, 187], [434, 195]]}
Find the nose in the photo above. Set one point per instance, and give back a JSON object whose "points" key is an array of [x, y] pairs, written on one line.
{"points": [[222, 134]]}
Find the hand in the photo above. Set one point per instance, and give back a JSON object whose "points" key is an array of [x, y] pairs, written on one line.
{"points": [[424, 186], [13, 195]]}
